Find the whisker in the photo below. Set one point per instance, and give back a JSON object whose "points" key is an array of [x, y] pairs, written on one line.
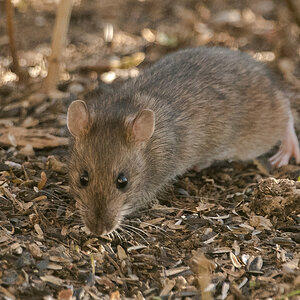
{"points": [[50, 194], [118, 235], [132, 229], [136, 228], [148, 224], [125, 231]]}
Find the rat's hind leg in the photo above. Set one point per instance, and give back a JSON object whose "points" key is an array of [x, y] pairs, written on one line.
{"points": [[289, 148]]}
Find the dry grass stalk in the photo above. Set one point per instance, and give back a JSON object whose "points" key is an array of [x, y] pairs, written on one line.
{"points": [[10, 32], [58, 42]]}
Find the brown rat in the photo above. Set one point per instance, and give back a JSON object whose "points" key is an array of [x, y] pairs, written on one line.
{"points": [[189, 109]]}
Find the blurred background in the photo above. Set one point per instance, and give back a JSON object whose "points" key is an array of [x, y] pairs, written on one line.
{"points": [[109, 39]]}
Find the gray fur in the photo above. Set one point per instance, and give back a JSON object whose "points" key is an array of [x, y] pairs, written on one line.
{"points": [[209, 103]]}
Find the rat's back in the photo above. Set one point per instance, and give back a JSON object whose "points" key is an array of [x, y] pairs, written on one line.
{"points": [[221, 102], [214, 69]]}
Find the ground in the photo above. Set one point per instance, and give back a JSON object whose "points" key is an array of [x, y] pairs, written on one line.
{"points": [[233, 227]]}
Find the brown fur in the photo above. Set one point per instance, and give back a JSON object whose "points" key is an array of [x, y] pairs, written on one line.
{"points": [[209, 104]]}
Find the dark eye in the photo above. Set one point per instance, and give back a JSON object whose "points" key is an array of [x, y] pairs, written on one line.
{"points": [[122, 181], [84, 178]]}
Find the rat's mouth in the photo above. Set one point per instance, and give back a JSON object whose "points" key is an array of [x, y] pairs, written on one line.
{"points": [[101, 226]]}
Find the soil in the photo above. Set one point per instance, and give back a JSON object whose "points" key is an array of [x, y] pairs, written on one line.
{"points": [[231, 231]]}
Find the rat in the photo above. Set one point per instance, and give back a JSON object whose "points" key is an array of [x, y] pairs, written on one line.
{"points": [[189, 109]]}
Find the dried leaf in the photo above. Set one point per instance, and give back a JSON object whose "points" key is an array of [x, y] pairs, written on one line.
{"points": [[65, 295], [115, 296], [121, 253], [255, 264], [43, 181], [260, 222], [234, 260]]}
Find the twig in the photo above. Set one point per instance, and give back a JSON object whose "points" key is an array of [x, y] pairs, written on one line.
{"points": [[58, 42], [10, 31]]}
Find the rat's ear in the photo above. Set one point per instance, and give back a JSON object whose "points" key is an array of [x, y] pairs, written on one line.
{"points": [[78, 118], [142, 127]]}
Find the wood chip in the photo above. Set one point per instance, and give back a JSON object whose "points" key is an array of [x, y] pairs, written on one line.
{"points": [[40, 198], [52, 266], [135, 248], [225, 289], [175, 271], [52, 279], [236, 247], [59, 259], [43, 181], [221, 250], [115, 296], [167, 287], [121, 253], [35, 250], [38, 230], [38, 138]]}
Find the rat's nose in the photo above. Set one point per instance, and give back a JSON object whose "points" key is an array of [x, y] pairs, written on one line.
{"points": [[98, 225], [101, 228]]}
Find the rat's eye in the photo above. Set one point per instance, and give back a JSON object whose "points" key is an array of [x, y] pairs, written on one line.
{"points": [[84, 178], [121, 181]]}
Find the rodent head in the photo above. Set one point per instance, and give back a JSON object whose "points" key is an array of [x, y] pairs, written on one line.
{"points": [[108, 163]]}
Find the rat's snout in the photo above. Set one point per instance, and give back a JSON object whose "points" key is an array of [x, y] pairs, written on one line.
{"points": [[100, 224]]}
